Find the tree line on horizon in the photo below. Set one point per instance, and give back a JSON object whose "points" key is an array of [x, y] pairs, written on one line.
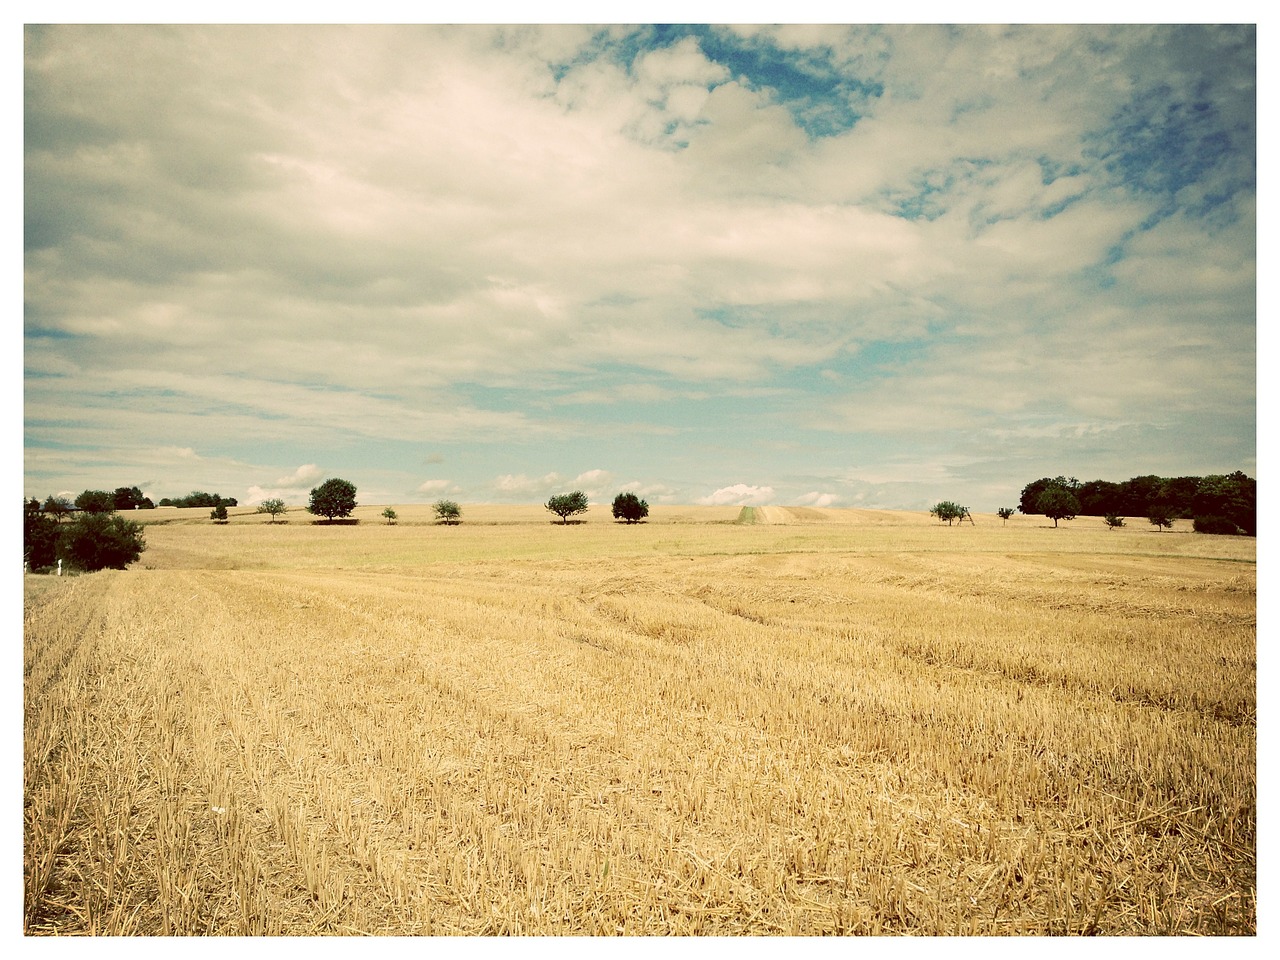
{"points": [[1218, 503]]}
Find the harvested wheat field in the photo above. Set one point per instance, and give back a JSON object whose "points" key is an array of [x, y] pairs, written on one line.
{"points": [[786, 722]]}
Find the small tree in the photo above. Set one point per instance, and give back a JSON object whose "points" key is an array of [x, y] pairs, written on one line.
{"points": [[1004, 513], [1058, 503], [948, 511], [98, 541], [390, 515], [447, 512], [566, 505], [1160, 517], [629, 507], [1113, 521], [218, 514], [57, 507], [274, 507], [333, 498]]}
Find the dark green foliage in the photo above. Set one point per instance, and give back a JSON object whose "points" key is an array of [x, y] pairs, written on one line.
{"points": [[1031, 493], [98, 541], [96, 501], [566, 505], [1160, 517], [131, 498], [1004, 513], [57, 507], [333, 498], [1098, 498], [1230, 496], [447, 512], [629, 507], [1057, 503], [219, 513], [1113, 521], [391, 515], [39, 536], [948, 511], [197, 498], [1218, 525], [1233, 497]]}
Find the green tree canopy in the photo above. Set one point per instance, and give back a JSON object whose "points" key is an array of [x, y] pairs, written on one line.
{"points": [[948, 511], [447, 512], [39, 535], [566, 505], [98, 541], [627, 506], [333, 498], [1057, 503], [275, 506], [96, 501], [57, 507]]}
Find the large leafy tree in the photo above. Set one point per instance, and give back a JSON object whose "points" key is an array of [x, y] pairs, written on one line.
{"points": [[96, 501], [1028, 502], [131, 498], [98, 541], [1057, 503], [333, 498], [627, 506], [566, 505]]}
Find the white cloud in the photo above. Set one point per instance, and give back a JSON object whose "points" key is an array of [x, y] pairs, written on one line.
{"points": [[303, 478], [434, 486], [738, 495], [488, 235], [816, 499]]}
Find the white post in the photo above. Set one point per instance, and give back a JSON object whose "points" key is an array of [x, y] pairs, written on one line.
{"points": [[59, 568]]}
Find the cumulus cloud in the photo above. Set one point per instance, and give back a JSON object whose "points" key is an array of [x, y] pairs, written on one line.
{"points": [[304, 477], [816, 499], [738, 495]]}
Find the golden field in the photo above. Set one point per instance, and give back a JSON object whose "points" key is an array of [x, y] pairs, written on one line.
{"points": [[724, 722]]}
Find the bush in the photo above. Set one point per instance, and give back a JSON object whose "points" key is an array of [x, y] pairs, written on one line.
{"points": [[1218, 525], [99, 541], [218, 514], [629, 507]]}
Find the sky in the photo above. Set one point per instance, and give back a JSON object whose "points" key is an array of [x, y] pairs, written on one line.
{"points": [[844, 266]]}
